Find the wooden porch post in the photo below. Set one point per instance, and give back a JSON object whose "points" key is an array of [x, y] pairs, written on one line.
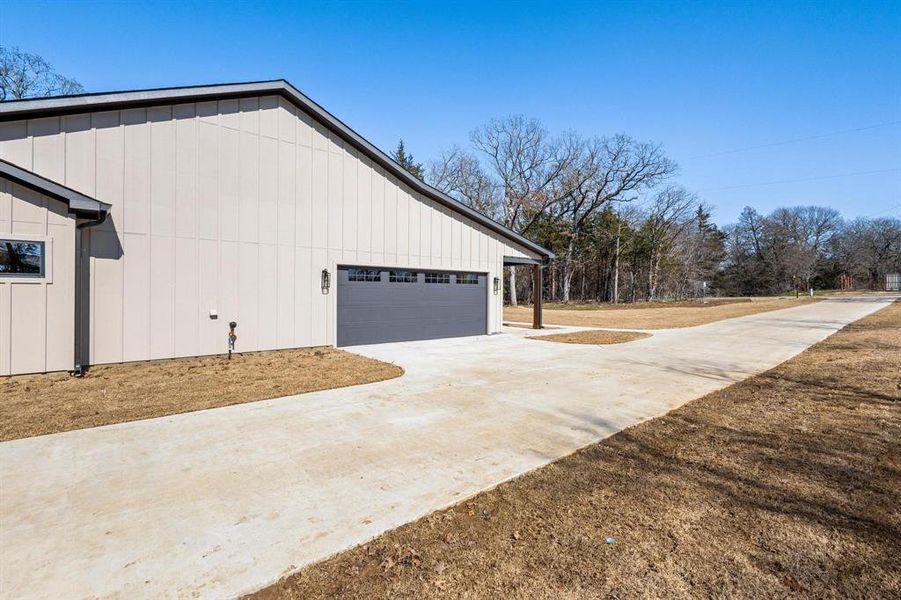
{"points": [[536, 297]]}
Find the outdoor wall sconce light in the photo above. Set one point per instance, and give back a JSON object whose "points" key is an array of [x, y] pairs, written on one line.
{"points": [[326, 281], [497, 285]]}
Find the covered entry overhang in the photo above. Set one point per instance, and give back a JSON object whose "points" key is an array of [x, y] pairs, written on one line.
{"points": [[537, 267]]}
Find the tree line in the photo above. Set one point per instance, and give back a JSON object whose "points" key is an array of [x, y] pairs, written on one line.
{"points": [[623, 229]]}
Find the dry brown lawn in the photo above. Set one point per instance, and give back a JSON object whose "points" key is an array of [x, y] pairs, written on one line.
{"points": [[693, 303], [594, 338], [787, 484], [658, 315], [39, 404]]}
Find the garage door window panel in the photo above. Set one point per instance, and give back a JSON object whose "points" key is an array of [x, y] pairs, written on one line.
{"points": [[364, 275], [437, 277], [403, 277], [467, 278]]}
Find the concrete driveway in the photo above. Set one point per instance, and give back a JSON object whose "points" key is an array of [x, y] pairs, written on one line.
{"points": [[220, 502]]}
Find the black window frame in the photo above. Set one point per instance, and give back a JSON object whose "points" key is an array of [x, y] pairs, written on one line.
{"points": [[42, 269]]}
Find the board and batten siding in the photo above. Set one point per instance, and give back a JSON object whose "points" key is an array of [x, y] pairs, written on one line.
{"points": [[37, 315], [235, 205]]}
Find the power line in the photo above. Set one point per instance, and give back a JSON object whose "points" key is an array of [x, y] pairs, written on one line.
{"points": [[795, 140], [885, 210], [747, 185]]}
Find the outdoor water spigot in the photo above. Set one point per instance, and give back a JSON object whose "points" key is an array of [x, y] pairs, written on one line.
{"points": [[232, 338]]}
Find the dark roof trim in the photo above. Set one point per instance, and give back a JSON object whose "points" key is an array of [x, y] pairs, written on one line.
{"points": [[519, 260], [40, 107], [79, 204]]}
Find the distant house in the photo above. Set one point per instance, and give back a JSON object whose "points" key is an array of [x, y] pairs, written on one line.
{"points": [[137, 225]]}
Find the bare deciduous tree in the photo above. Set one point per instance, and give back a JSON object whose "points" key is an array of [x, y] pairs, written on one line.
{"points": [[603, 171], [521, 176], [870, 248], [669, 216], [458, 174], [817, 225], [24, 75], [807, 246], [524, 165]]}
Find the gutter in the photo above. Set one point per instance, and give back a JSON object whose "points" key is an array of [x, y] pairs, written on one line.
{"points": [[102, 214]]}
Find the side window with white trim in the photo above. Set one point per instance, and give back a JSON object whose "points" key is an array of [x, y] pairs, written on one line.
{"points": [[22, 258]]}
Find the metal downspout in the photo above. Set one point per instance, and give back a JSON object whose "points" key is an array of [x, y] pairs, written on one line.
{"points": [[80, 367]]}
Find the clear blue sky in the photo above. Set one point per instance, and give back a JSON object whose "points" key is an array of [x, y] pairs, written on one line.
{"points": [[702, 78]]}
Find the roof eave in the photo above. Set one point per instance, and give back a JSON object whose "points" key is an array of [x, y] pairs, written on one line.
{"points": [[79, 204]]}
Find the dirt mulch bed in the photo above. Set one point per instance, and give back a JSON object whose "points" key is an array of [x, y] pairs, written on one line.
{"points": [[660, 316], [786, 484], [39, 404], [594, 338]]}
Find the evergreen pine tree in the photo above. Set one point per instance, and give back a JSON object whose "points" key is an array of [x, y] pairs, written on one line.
{"points": [[405, 159]]}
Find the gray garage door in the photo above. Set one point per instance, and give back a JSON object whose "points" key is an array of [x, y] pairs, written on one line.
{"points": [[382, 305]]}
